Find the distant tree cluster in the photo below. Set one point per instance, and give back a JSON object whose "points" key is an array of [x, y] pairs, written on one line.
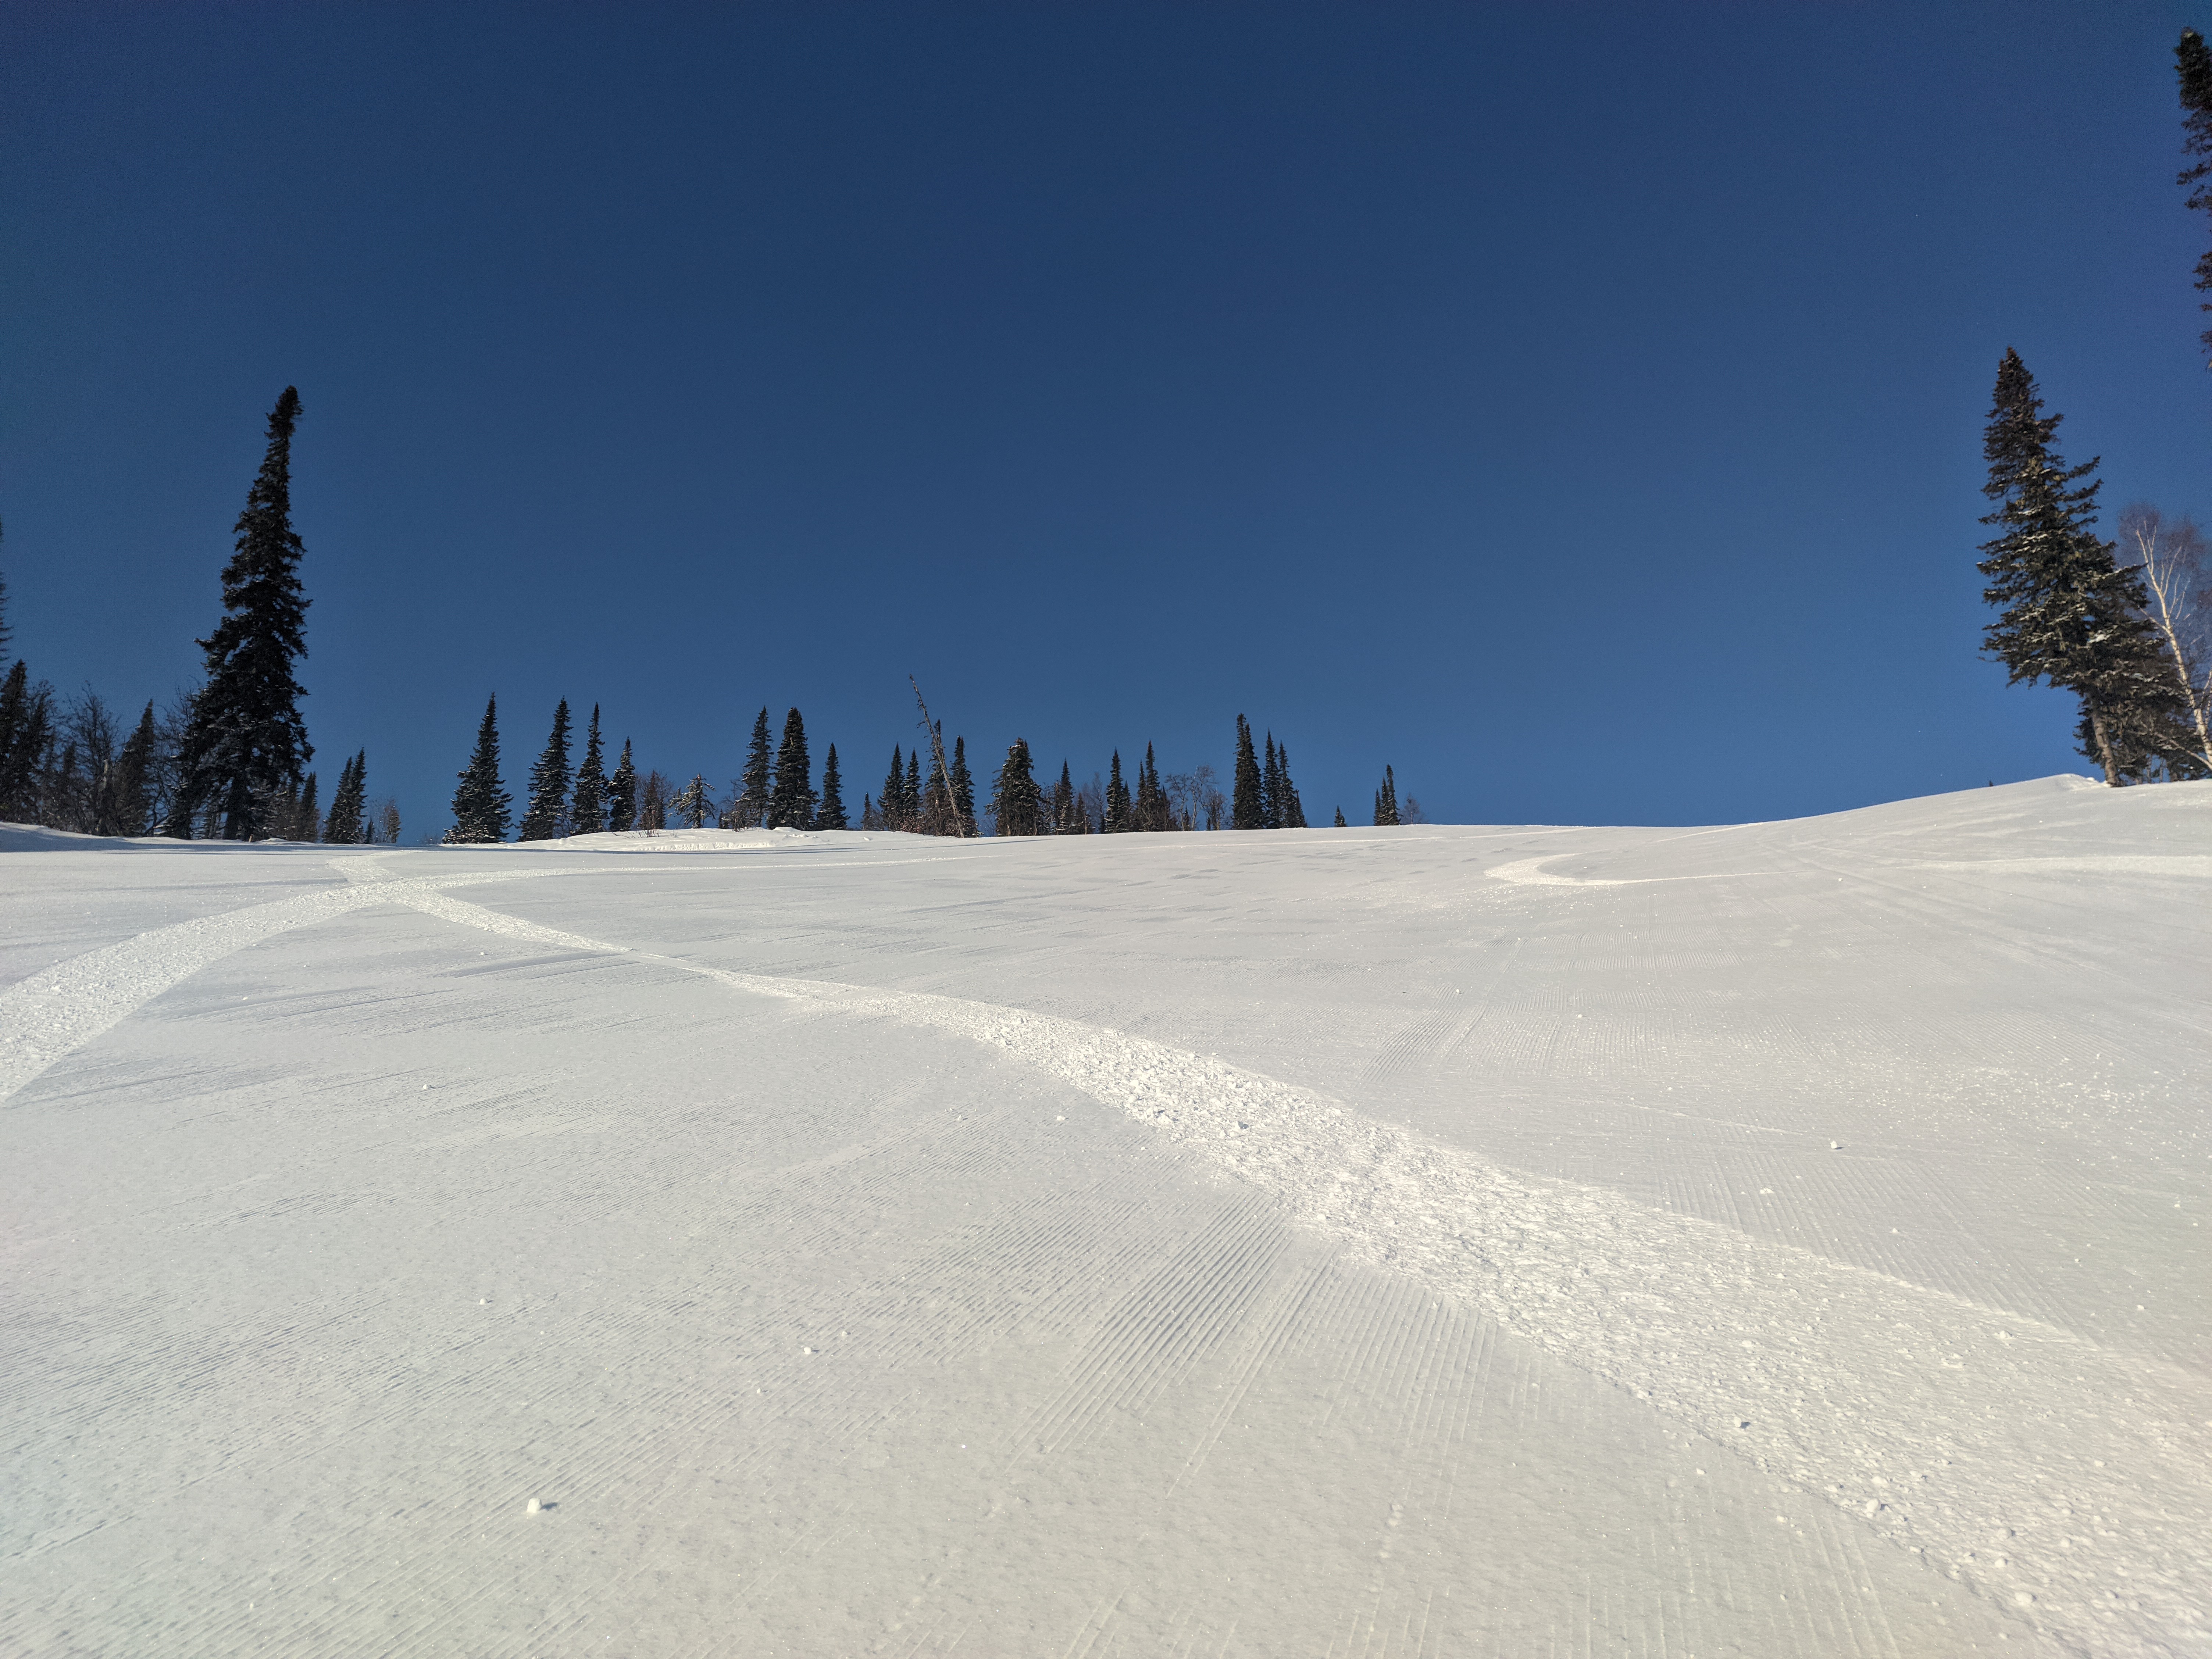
{"points": [[228, 758]]}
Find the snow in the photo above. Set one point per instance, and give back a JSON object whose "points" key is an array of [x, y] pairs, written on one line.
{"points": [[1775, 1239]]}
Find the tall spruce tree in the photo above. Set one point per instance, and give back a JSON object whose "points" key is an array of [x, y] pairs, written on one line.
{"points": [[1385, 799], [248, 744], [1248, 805], [345, 826], [889, 805], [1271, 786], [27, 732], [1065, 808], [910, 791], [480, 804], [621, 793], [749, 810], [2069, 614], [587, 808], [132, 799], [1118, 805], [963, 787], [545, 816], [306, 819], [1340, 818], [2193, 64], [830, 815], [1291, 809], [1016, 805], [791, 803]]}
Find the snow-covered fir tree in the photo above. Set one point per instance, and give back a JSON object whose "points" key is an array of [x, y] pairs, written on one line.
{"points": [[621, 793], [749, 810], [964, 786], [1385, 799], [247, 745], [2068, 613], [544, 817], [1118, 803], [480, 804], [345, 827], [1293, 810], [587, 807], [1016, 805], [1248, 805], [791, 798], [830, 814]]}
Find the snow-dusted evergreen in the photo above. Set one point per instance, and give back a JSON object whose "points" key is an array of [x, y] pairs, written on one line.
{"points": [[546, 816], [622, 791], [2068, 613], [791, 798], [587, 807], [480, 804], [247, 743]]}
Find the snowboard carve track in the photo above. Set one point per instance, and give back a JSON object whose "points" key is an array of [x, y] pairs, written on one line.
{"points": [[1711, 1327]]}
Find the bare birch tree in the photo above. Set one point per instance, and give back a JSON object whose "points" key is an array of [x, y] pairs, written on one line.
{"points": [[2173, 558]]}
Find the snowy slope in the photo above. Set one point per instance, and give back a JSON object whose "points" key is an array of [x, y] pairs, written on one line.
{"points": [[1780, 1239]]}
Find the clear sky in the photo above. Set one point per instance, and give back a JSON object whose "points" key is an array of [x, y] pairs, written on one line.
{"points": [[1579, 408]]}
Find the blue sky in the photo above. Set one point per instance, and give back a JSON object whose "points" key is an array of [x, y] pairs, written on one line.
{"points": [[1577, 408]]}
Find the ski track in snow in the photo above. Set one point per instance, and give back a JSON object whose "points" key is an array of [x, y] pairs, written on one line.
{"points": [[2021, 1460]]}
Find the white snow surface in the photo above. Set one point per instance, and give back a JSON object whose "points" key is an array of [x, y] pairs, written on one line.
{"points": [[1778, 1239]]}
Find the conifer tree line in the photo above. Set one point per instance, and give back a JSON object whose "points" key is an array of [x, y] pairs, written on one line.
{"points": [[228, 757]]}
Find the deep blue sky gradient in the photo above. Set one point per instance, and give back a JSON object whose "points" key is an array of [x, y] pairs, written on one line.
{"points": [[1579, 407]]}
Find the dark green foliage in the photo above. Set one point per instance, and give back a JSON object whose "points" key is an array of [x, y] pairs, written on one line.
{"points": [[307, 823], [1271, 788], [1118, 805], [1340, 818], [248, 744], [27, 732], [480, 804], [891, 803], [1017, 804], [830, 815], [1067, 815], [587, 808], [2193, 64], [621, 793], [910, 801], [131, 797], [749, 810], [1248, 808], [345, 826], [545, 817], [1291, 809], [791, 802], [1152, 809], [2068, 614], [963, 787], [1385, 799], [870, 817]]}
